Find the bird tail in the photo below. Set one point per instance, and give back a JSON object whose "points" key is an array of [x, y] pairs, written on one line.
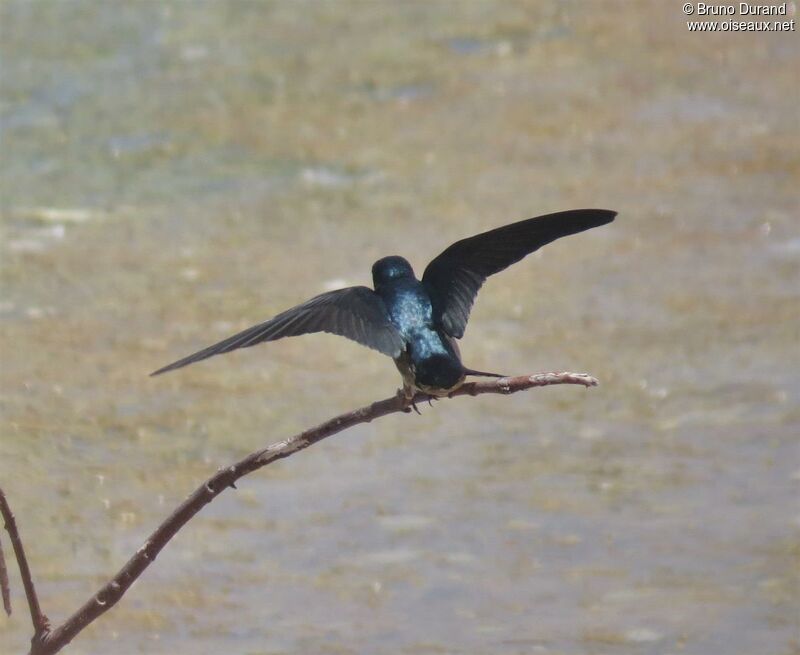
{"points": [[469, 371]]}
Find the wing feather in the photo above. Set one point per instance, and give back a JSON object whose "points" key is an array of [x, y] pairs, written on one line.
{"points": [[454, 277], [356, 313]]}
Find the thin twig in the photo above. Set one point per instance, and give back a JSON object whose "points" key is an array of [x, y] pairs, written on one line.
{"points": [[4, 588], [40, 623], [226, 477]]}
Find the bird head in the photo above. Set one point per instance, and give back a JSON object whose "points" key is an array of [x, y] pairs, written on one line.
{"points": [[391, 268]]}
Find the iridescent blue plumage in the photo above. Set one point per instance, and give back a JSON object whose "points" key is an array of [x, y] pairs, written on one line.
{"points": [[430, 360]]}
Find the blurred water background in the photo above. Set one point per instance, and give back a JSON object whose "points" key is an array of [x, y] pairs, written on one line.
{"points": [[173, 172]]}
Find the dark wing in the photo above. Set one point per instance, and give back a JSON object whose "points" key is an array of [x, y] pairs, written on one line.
{"points": [[454, 277], [357, 313]]}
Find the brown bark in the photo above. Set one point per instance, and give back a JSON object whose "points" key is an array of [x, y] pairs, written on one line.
{"points": [[46, 641]]}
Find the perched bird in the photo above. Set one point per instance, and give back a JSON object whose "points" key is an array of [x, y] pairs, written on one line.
{"points": [[415, 322]]}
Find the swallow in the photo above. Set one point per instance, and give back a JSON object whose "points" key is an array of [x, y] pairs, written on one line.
{"points": [[415, 322]]}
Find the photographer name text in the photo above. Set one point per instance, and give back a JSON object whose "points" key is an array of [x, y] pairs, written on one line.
{"points": [[744, 9]]}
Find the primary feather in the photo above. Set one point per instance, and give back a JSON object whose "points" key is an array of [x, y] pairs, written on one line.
{"points": [[357, 313], [454, 277]]}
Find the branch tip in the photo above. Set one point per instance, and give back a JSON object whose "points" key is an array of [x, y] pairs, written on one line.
{"points": [[38, 618]]}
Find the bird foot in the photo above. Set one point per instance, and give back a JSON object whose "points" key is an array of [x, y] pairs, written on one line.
{"points": [[407, 401]]}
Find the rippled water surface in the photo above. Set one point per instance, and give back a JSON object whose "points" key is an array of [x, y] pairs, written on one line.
{"points": [[172, 172]]}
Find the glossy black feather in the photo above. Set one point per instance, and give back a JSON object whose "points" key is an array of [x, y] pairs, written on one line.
{"points": [[455, 276], [357, 313]]}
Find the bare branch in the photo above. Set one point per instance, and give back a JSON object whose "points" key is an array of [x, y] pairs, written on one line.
{"points": [[4, 589], [226, 477], [40, 623]]}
